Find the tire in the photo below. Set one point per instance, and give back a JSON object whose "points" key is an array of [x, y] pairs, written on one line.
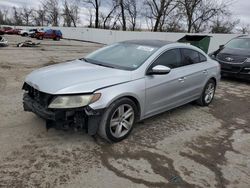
{"points": [[122, 126], [208, 93], [25, 34], [57, 38], [40, 37]]}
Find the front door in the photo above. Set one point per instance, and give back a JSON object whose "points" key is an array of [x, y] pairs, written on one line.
{"points": [[162, 91]]}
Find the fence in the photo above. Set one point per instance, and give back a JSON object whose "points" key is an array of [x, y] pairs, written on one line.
{"points": [[111, 36]]}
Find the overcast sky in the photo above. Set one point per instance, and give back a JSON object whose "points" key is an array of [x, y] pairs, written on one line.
{"points": [[240, 8]]}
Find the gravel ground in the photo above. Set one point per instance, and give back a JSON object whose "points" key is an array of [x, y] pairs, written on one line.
{"points": [[190, 146]]}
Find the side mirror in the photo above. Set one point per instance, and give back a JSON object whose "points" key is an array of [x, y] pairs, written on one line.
{"points": [[159, 69], [221, 46]]}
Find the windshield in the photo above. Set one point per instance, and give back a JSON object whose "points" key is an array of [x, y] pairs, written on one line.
{"points": [[239, 43], [121, 55]]}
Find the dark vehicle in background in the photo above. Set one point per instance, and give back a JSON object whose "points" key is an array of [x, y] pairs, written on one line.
{"points": [[49, 34], [12, 31], [234, 57]]}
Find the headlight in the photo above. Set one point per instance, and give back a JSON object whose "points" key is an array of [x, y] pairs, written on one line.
{"points": [[247, 60], [74, 101]]}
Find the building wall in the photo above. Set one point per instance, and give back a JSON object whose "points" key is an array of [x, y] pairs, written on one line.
{"points": [[110, 36]]}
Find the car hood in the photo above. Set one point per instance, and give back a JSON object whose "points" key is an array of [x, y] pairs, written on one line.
{"points": [[75, 77], [235, 51]]}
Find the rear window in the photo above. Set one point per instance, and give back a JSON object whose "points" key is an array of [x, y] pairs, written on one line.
{"points": [[192, 56]]}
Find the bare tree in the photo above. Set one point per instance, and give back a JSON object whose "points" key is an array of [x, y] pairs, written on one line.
{"points": [[244, 28], [70, 13], [39, 16], [17, 16], [96, 5], [4, 13], [107, 16], [158, 10], [90, 16], [52, 11], [27, 15], [199, 12], [223, 24], [122, 7], [174, 22], [132, 11]]}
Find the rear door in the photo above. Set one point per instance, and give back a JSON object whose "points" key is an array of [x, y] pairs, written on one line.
{"points": [[194, 66], [48, 33]]}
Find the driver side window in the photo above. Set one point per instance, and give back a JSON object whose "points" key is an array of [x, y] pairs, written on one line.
{"points": [[170, 58]]}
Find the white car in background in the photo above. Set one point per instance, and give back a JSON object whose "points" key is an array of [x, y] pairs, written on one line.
{"points": [[29, 32]]}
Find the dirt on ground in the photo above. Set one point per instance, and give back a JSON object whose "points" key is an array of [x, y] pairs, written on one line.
{"points": [[190, 146]]}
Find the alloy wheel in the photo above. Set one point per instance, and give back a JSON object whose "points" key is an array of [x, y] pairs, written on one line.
{"points": [[122, 120], [209, 93]]}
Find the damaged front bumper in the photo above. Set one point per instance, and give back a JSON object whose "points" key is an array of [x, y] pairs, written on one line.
{"points": [[76, 118]]}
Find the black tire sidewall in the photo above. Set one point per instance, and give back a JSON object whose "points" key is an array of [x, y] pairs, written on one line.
{"points": [[110, 113]]}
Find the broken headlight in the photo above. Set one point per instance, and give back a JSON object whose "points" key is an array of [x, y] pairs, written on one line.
{"points": [[74, 101]]}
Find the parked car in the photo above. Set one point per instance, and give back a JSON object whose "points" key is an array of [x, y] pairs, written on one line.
{"points": [[2, 32], [3, 42], [33, 34], [234, 57], [29, 32], [4, 29], [12, 31], [49, 34], [120, 84]]}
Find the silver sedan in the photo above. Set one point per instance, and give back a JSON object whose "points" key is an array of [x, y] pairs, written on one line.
{"points": [[111, 89]]}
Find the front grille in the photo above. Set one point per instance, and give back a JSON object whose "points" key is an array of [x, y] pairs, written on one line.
{"points": [[231, 58], [40, 97], [229, 68]]}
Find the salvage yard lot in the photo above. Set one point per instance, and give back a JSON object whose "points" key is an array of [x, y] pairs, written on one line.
{"points": [[190, 146]]}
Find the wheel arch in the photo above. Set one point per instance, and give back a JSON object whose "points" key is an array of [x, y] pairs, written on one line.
{"points": [[214, 79], [132, 98]]}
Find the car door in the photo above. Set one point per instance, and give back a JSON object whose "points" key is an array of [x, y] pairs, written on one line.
{"points": [[163, 91], [48, 33], [194, 68]]}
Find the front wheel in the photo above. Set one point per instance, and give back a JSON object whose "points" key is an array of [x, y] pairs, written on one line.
{"points": [[208, 93], [118, 120]]}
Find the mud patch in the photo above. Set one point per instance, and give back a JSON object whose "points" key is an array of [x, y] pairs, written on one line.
{"points": [[39, 165], [142, 167]]}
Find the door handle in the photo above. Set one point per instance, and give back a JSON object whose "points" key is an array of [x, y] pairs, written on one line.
{"points": [[182, 79], [204, 72]]}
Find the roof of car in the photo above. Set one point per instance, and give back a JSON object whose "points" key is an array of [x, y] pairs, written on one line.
{"points": [[244, 37], [154, 43]]}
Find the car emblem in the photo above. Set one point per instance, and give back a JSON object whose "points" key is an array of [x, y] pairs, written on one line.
{"points": [[229, 59]]}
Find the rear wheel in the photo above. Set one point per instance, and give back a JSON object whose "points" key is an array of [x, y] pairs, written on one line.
{"points": [[118, 120], [40, 37], [208, 93]]}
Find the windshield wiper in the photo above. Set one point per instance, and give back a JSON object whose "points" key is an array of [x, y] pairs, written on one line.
{"points": [[84, 59], [95, 63], [104, 65]]}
